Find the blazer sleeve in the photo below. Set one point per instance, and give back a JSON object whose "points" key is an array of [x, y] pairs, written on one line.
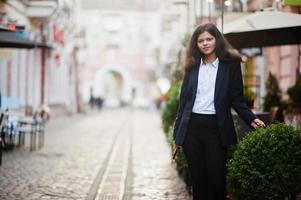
{"points": [[182, 102], [237, 98]]}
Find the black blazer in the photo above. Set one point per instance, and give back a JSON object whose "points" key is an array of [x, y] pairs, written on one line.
{"points": [[228, 93]]}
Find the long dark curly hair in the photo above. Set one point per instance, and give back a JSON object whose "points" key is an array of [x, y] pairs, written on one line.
{"points": [[224, 51]]}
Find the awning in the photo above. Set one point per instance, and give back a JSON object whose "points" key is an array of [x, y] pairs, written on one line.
{"points": [[267, 28], [10, 39]]}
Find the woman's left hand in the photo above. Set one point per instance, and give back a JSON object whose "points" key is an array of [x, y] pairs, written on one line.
{"points": [[257, 123]]}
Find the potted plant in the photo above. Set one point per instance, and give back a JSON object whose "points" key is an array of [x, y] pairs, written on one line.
{"points": [[273, 94], [294, 94], [293, 112], [266, 165]]}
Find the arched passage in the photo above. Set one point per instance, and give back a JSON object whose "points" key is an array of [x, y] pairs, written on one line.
{"points": [[113, 83]]}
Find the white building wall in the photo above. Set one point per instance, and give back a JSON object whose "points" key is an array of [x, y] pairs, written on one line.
{"points": [[22, 76], [37, 78], [3, 76], [59, 86], [48, 75], [29, 79], [14, 70]]}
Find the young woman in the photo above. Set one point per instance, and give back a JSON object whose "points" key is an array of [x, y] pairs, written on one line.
{"points": [[204, 125]]}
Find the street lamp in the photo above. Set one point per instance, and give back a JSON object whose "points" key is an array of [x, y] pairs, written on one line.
{"points": [[224, 3], [223, 8]]}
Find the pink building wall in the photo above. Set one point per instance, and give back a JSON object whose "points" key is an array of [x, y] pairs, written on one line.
{"points": [[283, 62]]}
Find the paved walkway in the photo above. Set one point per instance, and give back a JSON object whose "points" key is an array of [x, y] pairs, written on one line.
{"points": [[113, 154]]}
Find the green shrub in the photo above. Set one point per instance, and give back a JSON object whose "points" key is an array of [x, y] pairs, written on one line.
{"points": [[266, 165], [169, 113], [170, 109]]}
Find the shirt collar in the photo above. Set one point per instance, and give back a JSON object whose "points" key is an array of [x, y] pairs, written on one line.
{"points": [[214, 63]]}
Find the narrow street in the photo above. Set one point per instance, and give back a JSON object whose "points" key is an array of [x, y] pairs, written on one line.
{"points": [[112, 154]]}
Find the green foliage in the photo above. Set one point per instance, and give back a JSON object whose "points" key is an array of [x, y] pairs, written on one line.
{"points": [[294, 94], [273, 93], [249, 94], [266, 165], [170, 109]]}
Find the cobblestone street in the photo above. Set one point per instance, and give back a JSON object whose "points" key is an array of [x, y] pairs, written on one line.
{"points": [[112, 154]]}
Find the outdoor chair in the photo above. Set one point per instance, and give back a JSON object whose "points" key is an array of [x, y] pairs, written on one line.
{"points": [[35, 127], [27, 125]]}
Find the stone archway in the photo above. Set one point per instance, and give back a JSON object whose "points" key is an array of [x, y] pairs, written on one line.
{"points": [[113, 83]]}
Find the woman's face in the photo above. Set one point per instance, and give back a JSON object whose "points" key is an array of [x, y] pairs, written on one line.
{"points": [[206, 43]]}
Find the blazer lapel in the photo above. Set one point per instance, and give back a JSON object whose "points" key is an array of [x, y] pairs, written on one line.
{"points": [[219, 79]]}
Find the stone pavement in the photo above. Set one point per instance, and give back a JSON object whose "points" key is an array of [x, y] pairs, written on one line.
{"points": [[112, 154]]}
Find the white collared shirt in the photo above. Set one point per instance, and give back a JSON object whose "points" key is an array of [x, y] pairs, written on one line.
{"points": [[204, 101]]}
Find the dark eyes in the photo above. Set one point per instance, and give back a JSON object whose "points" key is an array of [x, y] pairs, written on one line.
{"points": [[206, 39]]}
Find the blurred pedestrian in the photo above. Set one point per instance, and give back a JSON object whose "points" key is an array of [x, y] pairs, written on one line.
{"points": [[204, 125], [99, 102]]}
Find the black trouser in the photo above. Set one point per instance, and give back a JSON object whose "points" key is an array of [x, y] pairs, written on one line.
{"points": [[206, 158]]}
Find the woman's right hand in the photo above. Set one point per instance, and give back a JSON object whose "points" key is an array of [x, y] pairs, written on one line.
{"points": [[257, 123]]}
